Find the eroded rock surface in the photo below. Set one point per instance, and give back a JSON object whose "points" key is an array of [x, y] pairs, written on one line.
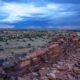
{"points": [[58, 60]]}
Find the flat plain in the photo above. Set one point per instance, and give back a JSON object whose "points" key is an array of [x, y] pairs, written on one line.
{"points": [[21, 41]]}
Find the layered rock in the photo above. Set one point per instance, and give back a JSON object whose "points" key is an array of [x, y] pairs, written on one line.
{"points": [[54, 61]]}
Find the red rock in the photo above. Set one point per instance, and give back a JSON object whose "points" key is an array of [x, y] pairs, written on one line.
{"points": [[69, 66], [34, 79], [32, 76], [43, 78], [70, 77], [1, 78], [76, 70], [31, 68], [35, 73], [43, 72], [60, 76], [51, 76], [25, 78], [55, 71], [61, 63], [62, 68]]}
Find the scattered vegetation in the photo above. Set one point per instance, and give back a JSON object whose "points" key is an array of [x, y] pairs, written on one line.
{"points": [[20, 47], [29, 45], [1, 49], [7, 43], [24, 40], [12, 52]]}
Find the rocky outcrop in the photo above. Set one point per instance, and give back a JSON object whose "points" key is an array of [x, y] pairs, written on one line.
{"points": [[58, 60]]}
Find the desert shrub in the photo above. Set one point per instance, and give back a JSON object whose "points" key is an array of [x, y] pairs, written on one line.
{"points": [[27, 36], [17, 40], [18, 37], [20, 47], [24, 41], [7, 43], [1, 39], [1, 49], [32, 40], [29, 45], [5, 40], [12, 52]]}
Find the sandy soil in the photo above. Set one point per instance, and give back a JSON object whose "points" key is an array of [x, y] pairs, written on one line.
{"points": [[20, 46]]}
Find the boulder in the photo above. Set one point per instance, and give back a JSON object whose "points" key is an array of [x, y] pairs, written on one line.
{"points": [[76, 70], [62, 68], [1, 61], [23, 55], [36, 68], [7, 64], [2, 75], [43, 72], [12, 78], [51, 76]]}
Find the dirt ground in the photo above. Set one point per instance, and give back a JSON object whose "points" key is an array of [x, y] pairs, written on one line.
{"points": [[10, 46]]}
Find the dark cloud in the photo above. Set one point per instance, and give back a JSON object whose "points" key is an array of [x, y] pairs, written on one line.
{"points": [[43, 22], [24, 1], [54, 1], [64, 1], [70, 7]]}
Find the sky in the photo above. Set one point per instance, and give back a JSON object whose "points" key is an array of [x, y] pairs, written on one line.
{"points": [[60, 14]]}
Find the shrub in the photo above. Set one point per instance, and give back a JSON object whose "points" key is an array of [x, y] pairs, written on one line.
{"points": [[1, 49], [24, 41], [17, 40], [12, 52], [29, 45], [20, 47], [7, 43]]}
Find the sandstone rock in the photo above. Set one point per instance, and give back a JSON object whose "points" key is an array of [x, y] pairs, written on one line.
{"points": [[61, 63], [60, 76], [32, 76], [62, 68], [43, 78], [55, 71], [24, 78], [51, 76], [35, 73], [43, 72], [76, 70], [1, 78], [70, 77], [34, 79], [69, 66]]}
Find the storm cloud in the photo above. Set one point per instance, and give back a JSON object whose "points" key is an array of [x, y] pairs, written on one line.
{"points": [[40, 14]]}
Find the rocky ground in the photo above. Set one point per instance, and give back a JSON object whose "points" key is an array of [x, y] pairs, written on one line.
{"points": [[66, 68]]}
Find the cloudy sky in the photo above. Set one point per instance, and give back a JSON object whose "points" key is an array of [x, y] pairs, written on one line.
{"points": [[62, 14]]}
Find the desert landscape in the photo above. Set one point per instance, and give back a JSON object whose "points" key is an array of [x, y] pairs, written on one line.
{"points": [[21, 41], [55, 59], [39, 39]]}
